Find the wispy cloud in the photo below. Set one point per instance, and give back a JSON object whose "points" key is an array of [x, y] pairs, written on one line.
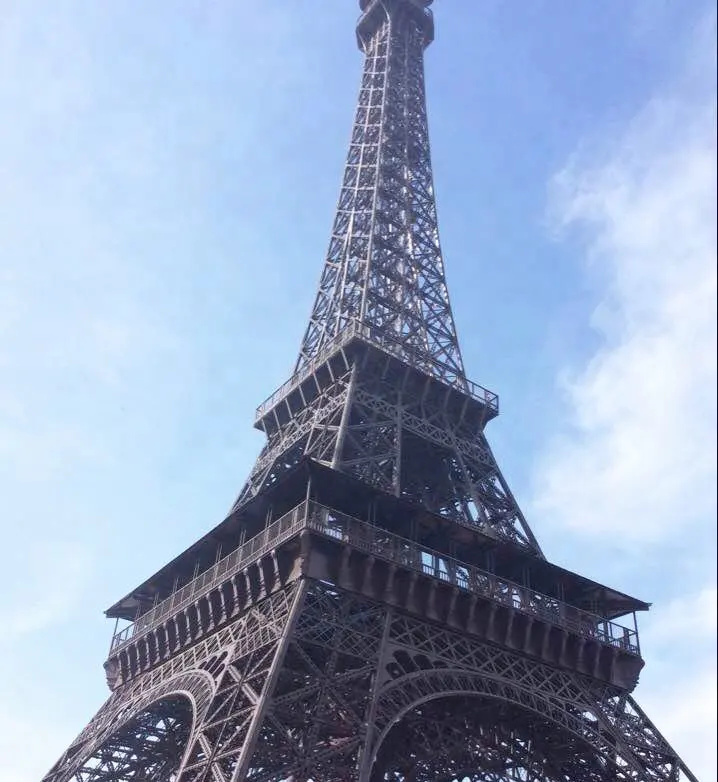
{"points": [[116, 227], [635, 461], [683, 707], [54, 577], [691, 616], [639, 454], [85, 332], [678, 688]]}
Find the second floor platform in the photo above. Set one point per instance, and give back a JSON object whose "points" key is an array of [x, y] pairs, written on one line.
{"points": [[565, 620]]}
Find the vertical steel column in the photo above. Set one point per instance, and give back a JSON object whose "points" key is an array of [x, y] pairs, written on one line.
{"points": [[366, 750], [266, 696]]}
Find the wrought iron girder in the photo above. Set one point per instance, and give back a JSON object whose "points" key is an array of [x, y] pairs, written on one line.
{"points": [[456, 738], [188, 672], [476, 492], [321, 418], [312, 681], [384, 263], [148, 747], [399, 436]]}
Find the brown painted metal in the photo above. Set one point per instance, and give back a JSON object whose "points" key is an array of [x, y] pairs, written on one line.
{"points": [[375, 607]]}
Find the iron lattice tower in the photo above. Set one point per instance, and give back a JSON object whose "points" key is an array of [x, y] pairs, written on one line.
{"points": [[375, 606]]}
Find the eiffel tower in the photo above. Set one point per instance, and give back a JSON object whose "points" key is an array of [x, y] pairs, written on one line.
{"points": [[375, 606]]}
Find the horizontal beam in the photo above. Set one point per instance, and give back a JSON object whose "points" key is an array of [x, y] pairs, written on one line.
{"points": [[362, 536], [388, 343]]}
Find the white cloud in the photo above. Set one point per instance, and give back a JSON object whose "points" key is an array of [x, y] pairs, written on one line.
{"points": [[678, 687], [636, 460], [639, 456], [684, 710], [694, 616], [54, 577]]}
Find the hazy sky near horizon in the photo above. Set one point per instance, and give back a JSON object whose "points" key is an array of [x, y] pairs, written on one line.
{"points": [[168, 175]]}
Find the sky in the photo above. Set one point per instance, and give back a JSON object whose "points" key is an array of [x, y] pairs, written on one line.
{"points": [[168, 174]]}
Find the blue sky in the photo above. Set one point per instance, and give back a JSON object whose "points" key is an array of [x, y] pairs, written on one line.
{"points": [[168, 174]]}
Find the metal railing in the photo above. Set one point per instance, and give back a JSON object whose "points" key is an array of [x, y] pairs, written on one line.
{"points": [[390, 343], [256, 547], [382, 544], [344, 336]]}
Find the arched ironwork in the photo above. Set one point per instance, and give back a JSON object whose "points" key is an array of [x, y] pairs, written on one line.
{"points": [[470, 737], [375, 607], [149, 746]]}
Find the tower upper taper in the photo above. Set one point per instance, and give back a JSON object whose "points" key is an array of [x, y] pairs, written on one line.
{"points": [[384, 269], [374, 12]]}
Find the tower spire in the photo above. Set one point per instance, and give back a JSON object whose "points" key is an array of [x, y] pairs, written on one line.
{"points": [[384, 268]]}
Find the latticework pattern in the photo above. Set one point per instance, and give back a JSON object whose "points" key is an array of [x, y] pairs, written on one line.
{"points": [[324, 647], [339, 688], [384, 265]]}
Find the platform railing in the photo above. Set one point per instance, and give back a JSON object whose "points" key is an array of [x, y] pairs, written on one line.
{"points": [[273, 535], [341, 339], [379, 543], [390, 343], [382, 544]]}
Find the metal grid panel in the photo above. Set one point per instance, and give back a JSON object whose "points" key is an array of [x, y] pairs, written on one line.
{"points": [[342, 688], [314, 684], [384, 265]]}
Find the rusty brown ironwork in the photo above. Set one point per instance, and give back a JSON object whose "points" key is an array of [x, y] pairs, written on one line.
{"points": [[375, 606]]}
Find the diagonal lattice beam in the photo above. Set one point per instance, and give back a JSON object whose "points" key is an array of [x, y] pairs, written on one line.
{"points": [[384, 265]]}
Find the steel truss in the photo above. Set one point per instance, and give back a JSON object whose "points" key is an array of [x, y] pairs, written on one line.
{"points": [[384, 265], [148, 746], [392, 428], [316, 684], [385, 272]]}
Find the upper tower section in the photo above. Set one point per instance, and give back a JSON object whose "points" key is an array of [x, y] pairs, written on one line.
{"points": [[384, 269], [374, 12]]}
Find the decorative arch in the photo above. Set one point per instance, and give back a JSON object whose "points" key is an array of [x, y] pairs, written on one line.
{"points": [[149, 745], [151, 733], [495, 731]]}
